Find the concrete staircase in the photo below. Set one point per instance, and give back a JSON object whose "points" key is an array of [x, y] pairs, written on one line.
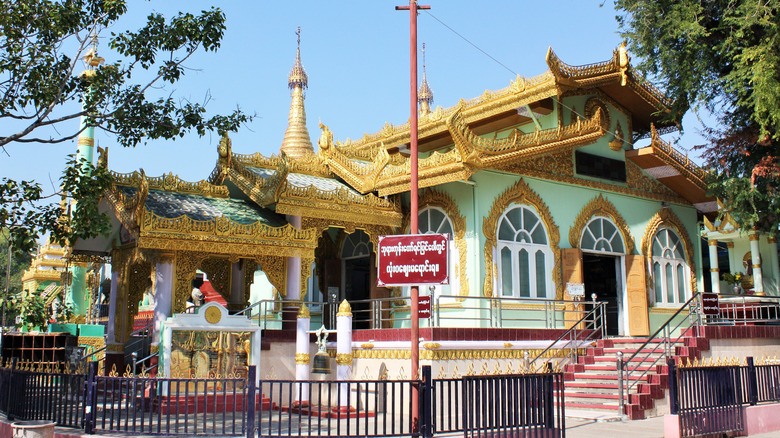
{"points": [[592, 382]]}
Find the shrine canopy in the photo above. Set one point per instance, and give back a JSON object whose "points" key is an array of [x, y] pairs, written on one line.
{"points": [[168, 214]]}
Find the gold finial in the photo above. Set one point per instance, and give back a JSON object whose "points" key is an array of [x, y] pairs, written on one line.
{"points": [[303, 312], [297, 142], [344, 309], [424, 94], [298, 75]]}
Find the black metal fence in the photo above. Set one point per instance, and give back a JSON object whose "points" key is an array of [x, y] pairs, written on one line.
{"points": [[33, 392], [527, 404], [312, 408], [710, 399]]}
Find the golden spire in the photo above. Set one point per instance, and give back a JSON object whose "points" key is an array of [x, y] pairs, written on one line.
{"points": [[424, 94], [297, 142]]}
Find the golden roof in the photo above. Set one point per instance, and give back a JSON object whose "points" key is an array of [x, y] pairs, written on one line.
{"points": [[497, 109]]}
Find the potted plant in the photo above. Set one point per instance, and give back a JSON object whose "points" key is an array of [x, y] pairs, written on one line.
{"points": [[735, 280]]}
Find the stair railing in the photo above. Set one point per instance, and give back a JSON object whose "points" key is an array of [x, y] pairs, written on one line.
{"points": [[591, 326], [629, 367]]}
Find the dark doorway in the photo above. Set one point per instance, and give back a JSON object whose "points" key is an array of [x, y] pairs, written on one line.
{"points": [[357, 290], [600, 274]]}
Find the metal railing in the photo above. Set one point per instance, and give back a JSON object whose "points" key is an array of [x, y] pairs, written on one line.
{"points": [[633, 369], [53, 395], [446, 311], [745, 310], [582, 333]]}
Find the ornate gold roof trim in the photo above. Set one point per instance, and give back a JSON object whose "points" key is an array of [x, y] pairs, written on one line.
{"points": [[484, 152], [129, 210], [40, 261], [666, 218], [41, 275], [616, 69], [520, 92], [438, 168], [170, 183], [300, 201], [600, 207], [250, 240], [520, 193], [674, 158]]}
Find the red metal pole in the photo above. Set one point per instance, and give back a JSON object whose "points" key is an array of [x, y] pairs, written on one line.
{"points": [[415, 331]]}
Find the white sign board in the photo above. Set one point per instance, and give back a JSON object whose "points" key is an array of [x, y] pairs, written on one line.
{"points": [[575, 289]]}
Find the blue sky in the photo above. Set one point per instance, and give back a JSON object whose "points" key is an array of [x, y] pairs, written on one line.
{"points": [[356, 54]]}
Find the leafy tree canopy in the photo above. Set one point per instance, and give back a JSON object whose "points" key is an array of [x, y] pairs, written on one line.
{"points": [[44, 94], [42, 44], [723, 56]]}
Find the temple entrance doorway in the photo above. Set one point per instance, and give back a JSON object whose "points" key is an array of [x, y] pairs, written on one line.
{"points": [[601, 275], [355, 277]]}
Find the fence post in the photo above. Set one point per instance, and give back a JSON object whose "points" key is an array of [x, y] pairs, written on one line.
{"points": [[90, 398], [426, 403], [674, 401], [752, 382], [621, 390], [250, 400], [9, 414]]}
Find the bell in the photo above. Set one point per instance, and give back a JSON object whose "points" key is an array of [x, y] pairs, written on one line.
{"points": [[321, 364]]}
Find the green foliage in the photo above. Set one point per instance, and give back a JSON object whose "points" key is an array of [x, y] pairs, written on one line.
{"points": [[724, 56], [34, 313], [42, 42]]}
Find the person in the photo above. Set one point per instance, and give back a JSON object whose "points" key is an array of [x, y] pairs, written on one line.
{"points": [[197, 295]]}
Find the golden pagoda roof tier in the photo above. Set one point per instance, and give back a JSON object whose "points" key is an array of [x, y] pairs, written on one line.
{"points": [[41, 275], [616, 79], [675, 170], [168, 214], [169, 183], [470, 154], [304, 188], [494, 110]]}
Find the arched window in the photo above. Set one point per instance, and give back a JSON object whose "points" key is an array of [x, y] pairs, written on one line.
{"points": [[356, 245], [526, 260], [601, 235], [670, 270], [434, 220]]}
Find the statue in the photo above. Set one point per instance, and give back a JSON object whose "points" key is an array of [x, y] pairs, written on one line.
{"points": [[326, 138]]}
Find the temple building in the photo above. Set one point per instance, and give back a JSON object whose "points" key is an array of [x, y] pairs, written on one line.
{"points": [[539, 186]]}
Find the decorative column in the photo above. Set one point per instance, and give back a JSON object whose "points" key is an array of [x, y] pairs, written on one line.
{"points": [[293, 291], [733, 263], [302, 358], [714, 269], [758, 276], [773, 263], [115, 344], [163, 295], [344, 353]]}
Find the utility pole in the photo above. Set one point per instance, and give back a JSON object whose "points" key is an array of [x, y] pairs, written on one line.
{"points": [[415, 292]]}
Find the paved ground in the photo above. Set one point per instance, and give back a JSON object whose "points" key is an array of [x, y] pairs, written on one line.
{"points": [[579, 424]]}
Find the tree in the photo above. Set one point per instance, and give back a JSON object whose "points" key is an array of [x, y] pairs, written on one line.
{"points": [[722, 56], [42, 97], [42, 42]]}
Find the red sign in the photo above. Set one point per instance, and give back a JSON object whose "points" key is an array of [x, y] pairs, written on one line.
{"points": [[424, 307], [410, 259], [709, 304]]}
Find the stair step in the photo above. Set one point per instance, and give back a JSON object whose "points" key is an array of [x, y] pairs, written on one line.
{"points": [[606, 396], [599, 406], [575, 384]]}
